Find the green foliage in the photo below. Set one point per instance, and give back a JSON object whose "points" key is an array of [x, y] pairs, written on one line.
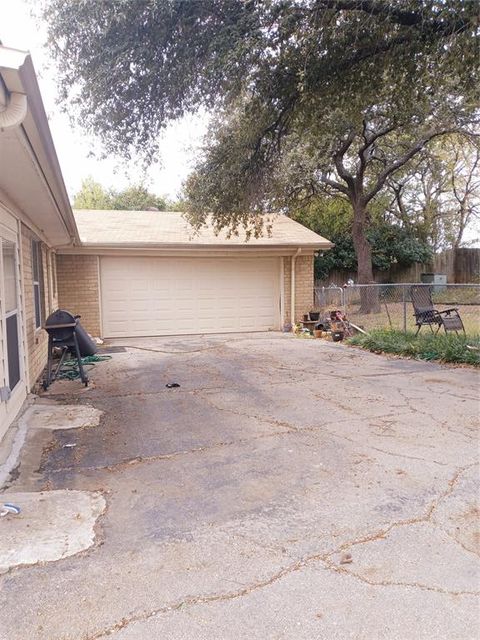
{"points": [[93, 195], [137, 198], [129, 66], [391, 244], [426, 346], [330, 217]]}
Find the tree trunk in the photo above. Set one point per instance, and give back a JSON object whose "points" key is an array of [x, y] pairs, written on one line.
{"points": [[369, 299]]}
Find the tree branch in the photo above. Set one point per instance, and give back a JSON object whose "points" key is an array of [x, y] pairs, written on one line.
{"points": [[345, 175], [338, 186], [395, 15], [402, 160]]}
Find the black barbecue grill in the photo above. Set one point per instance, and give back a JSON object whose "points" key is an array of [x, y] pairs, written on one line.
{"points": [[65, 333]]}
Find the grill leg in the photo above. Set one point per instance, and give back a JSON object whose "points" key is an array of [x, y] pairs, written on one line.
{"points": [[51, 375], [48, 374]]}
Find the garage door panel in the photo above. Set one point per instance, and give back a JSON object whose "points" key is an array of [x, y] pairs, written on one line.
{"points": [[167, 296]]}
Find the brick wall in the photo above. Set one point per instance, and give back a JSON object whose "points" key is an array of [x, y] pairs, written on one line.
{"points": [[36, 339], [303, 286], [78, 289]]}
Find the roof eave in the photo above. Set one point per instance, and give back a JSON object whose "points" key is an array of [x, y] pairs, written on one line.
{"points": [[197, 249], [17, 71]]}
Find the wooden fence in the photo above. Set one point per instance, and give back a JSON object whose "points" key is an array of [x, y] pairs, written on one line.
{"points": [[460, 266]]}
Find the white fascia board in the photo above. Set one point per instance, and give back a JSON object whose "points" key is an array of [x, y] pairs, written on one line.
{"points": [[18, 75], [189, 250]]}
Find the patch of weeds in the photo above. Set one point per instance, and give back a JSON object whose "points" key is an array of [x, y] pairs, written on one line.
{"points": [[425, 346]]}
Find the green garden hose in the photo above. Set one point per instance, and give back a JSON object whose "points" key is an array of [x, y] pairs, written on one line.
{"points": [[70, 367]]}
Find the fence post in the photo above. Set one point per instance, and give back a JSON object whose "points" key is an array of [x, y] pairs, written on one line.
{"points": [[404, 299]]}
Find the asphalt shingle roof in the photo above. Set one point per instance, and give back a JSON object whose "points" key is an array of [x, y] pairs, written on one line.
{"points": [[140, 228]]}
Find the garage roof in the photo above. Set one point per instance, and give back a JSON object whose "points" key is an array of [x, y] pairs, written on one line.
{"points": [[106, 228]]}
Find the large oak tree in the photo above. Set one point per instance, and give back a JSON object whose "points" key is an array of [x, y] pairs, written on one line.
{"points": [[308, 95]]}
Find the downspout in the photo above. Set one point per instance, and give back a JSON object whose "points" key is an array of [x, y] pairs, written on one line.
{"points": [[292, 285], [13, 108]]}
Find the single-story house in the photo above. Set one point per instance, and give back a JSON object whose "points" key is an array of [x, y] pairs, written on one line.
{"points": [[35, 219], [127, 273], [146, 273]]}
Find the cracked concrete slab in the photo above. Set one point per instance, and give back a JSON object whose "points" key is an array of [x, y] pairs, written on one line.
{"points": [[306, 604], [232, 499], [51, 525]]}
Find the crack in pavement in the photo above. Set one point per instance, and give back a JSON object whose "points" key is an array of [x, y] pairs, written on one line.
{"points": [[415, 409], [394, 583], [244, 414], [473, 436], [177, 353], [324, 558], [130, 462], [404, 455], [163, 390]]}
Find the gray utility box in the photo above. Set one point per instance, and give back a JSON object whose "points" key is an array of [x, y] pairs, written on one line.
{"points": [[439, 281]]}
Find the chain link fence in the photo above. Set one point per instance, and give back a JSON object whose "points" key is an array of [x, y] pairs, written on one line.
{"points": [[389, 306]]}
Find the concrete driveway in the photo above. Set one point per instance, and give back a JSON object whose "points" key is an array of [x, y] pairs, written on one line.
{"points": [[289, 489]]}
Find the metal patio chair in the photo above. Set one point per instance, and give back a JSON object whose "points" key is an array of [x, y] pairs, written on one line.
{"points": [[426, 314]]}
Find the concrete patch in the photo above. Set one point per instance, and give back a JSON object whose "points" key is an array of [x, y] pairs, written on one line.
{"points": [[52, 525], [11, 445], [62, 416]]}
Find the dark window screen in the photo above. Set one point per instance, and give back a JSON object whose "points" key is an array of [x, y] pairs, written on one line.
{"points": [[12, 351]]}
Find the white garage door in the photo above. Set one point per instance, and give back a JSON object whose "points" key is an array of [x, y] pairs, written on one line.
{"points": [[167, 296]]}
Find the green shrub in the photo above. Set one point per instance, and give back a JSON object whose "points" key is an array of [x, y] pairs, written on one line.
{"points": [[425, 346]]}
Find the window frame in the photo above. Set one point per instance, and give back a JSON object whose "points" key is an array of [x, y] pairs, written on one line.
{"points": [[38, 284]]}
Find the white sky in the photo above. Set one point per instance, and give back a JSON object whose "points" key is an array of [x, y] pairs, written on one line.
{"points": [[181, 140]]}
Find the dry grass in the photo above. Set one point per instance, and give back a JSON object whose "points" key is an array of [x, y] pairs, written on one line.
{"points": [[444, 348], [391, 317]]}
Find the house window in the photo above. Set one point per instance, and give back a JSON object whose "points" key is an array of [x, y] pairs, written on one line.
{"points": [[8, 260], [37, 272]]}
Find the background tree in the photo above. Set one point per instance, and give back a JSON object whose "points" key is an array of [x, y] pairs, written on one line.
{"points": [[439, 197], [93, 195], [349, 91], [137, 198], [392, 244]]}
